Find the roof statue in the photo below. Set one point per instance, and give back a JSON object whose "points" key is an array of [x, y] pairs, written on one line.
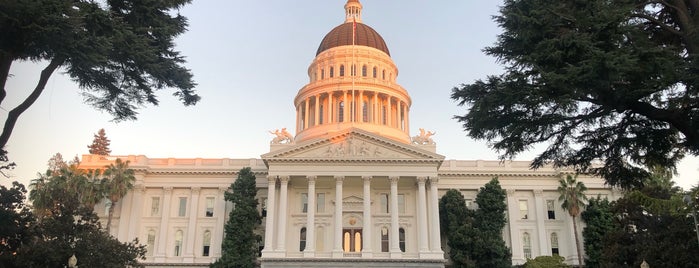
{"points": [[424, 137], [281, 137]]}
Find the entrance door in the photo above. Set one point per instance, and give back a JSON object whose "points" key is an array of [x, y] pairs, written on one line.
{"points": [[352, 240]]}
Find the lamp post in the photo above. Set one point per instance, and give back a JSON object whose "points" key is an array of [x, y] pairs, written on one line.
{"points": [[690, 202]]}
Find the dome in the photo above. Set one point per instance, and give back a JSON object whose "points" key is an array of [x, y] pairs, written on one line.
{"points": [[342, 36]]}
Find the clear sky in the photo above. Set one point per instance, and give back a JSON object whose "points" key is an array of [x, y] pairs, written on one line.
{"points": [[249, 59]]}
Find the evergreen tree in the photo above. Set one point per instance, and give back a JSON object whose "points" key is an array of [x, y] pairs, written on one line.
{"points": [[594, 79], [118, 52], [488, 247], [15, 222], [455, 220], [240, 246], [599, 221], [100, 144]]}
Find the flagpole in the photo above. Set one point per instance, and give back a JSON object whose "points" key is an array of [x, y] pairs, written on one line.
{"points": [[353, 70]]}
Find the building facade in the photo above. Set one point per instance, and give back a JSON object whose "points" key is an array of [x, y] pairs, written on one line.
{"points": [[350, 188]]}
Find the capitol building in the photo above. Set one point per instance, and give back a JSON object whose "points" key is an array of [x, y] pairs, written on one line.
{"points": [[350, 186]]}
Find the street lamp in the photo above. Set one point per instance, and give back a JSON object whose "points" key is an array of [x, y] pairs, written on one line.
{"points": [[689, 200]]}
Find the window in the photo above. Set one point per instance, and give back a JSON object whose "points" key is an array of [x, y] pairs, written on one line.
{"points": [[401, 239], [183, 207], [383, 74], [178, 243], [322, 73], [304, 202], [374, 72], [384, 203], [264, 207], [155, 206], [554, 244], [550, 205], [302, 239], [401, 203], [315, 76], [384, 239], [365, 112], [352, 240], [332, 72], [210, 206], [320, 202], [321, 112], [523, 209], [469, 203], [342, 70], [207, 243], [527, 245], [364, 71], [150, 242], [383, 115], [341, 112]]}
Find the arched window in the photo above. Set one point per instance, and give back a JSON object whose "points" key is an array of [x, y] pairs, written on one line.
{"points": [[357, 242], [150, 242], [332, 72], [322, 73], [384, 239], [302, 239], [342, 70], [401, 239], [527, 245], [364, 71], [374, 72], [207, 243], [321, 111], [383, 115], [383, 74], [315, 76], [365, 111], [341, 112], [554, 244], [178, 243]]}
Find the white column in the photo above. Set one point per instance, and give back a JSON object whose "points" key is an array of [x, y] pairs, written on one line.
{"points": [[311, 219], [137, 211], [316, 114], [269, 222], [389, 113], [368, 235], [540, 218], [422, 227], [191, 227], [346, 109], [393, 236], [435, 239], [337, 246], [306, 115], [281, 237], [331, 108], [512, 216], [220, 214], [164, 225]]}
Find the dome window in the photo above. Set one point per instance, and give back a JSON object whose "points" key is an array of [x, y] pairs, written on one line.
{"points": [[364, 71], [332, 72], [342, 70], [374, 72]]}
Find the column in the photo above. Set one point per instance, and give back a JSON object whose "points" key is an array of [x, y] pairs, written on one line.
{"points": [[512, 217], [137, 211], [389, 113], [269, 222], [164, 220], [331, 111], [311, 219], [337, 246], [360, 107], [191, 227], [299, 121], [306, 114], [393, 235], [435, 239], [422, 228], [368, 235], [404, 122], [345, 110], [316, 121], [540, 218], [281, 237], [220, 214]]}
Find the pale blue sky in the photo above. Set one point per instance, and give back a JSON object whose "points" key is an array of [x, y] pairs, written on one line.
{"points": [[249, 59]]}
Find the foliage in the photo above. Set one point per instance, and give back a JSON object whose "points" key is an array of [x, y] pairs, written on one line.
{"points": [[662, 238], [572, 193], [70, 227], [239, 248], [119, 180], [100, 144], [475, 237], [546, 262], [599, 220], [119, 52], [15, 221], [610, 80]]}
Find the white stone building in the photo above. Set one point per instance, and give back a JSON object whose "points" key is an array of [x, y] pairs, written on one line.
{"points": [[351, 188]]}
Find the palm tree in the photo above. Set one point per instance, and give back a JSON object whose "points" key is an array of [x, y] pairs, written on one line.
{"points": [[572, 195], [120, 179]]}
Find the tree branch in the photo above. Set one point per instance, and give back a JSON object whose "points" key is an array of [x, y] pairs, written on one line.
{"points": [[5, 64], [17, 111], [657, 22]]}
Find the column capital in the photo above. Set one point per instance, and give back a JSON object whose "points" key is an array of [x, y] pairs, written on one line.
{"points": [[284, 179], [167, 189], [139, 188], [272, 178], [196, 190], [538, 192], [393, 179], [366, 178], [311, 178], [421, 179], [434, 180], [510, 191], [338, 178], [222, 189]]}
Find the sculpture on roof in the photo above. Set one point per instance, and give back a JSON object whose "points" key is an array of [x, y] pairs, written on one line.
{"points": [[424, 137], [282, 137]]}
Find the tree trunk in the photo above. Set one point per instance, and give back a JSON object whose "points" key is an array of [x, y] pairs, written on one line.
{"points": [[577, 242], [111, 213]]}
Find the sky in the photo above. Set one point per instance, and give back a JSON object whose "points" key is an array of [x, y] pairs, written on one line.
{"points": [[249, 59]]}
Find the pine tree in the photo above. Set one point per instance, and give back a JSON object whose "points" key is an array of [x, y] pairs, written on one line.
{"points": [[488, 246], [100, 144], [599, 221], [239, 248]]}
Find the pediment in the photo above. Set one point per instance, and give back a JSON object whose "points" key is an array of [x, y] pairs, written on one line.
{"points": [[352, 145]]}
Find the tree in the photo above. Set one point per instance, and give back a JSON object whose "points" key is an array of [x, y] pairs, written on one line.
{"points": [[119, 180], [610, 80], [239, 247], [572, 193], [546, 262], [489, 248], [118, 52], [599, 221], [455, 219], [100, 144], [15, 221]]}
